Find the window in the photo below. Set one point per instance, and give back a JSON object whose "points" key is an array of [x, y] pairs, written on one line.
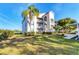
{"points": [[45, 18], [40, 23]]}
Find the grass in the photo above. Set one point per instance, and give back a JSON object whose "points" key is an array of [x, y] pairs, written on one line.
{"points": [[39, 45]]}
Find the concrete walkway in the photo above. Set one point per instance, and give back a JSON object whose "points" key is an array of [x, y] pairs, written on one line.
{"points": [[69, 36]]}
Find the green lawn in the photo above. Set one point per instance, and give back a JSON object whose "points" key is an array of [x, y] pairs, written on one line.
{"points": [[40, 45]]}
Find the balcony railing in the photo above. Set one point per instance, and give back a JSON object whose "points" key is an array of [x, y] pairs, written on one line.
{"points": [[40, 28]]}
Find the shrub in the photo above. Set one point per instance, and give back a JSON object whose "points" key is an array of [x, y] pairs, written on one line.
{"points": [[47, 32], [29, 34], [9, 33], [6, 34]]}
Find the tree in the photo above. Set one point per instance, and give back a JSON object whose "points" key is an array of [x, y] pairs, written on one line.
{"points": [[66, 23], [32, 10], [57, 28]]}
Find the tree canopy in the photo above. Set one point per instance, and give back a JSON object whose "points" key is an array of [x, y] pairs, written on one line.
{"points": [[66, 21], [66, 24], [32, 10]]}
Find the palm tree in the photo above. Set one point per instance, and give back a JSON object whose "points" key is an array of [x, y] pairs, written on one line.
{"points": [[32, 10]]}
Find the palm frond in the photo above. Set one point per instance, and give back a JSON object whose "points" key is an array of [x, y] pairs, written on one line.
{"points": [[24, 14], [36, 12]]}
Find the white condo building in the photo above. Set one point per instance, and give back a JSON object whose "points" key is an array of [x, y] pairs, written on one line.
{"points": [[44, 23]]}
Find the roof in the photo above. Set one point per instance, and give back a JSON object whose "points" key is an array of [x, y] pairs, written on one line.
{"points": [[41, 14]]}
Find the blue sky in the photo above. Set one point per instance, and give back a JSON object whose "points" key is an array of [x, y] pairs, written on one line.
{"points": [[10, 13]]}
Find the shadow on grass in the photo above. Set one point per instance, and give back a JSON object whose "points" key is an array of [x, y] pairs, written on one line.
{"points": [[38, 45]]}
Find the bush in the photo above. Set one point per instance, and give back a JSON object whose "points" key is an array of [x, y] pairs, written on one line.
{"points": [[29, 34], [47, 33], [25, 34], [6, 34], [10, 33]]}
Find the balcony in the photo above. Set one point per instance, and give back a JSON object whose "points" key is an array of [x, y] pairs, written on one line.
{"points": [[40, 20], [40, 28], [40, 23]]}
